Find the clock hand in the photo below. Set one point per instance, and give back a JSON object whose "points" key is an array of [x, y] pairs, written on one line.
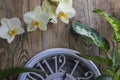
{"points": [[64, 76]]}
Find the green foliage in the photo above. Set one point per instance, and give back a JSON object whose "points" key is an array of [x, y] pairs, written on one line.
{"points": [[104, 78], [99, 59], [114, 69], [115, 23], [91, 34], [15, 70], [111, 60]]}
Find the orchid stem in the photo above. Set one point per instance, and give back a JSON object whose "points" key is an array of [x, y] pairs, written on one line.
{"points": [[117, 47]]}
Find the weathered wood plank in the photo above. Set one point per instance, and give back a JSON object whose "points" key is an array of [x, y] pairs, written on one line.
{"points": [[3, 54], [20, 57], [57, 35]]}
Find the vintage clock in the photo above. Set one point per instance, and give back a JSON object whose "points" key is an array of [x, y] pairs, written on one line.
{"points": [[60, 64]]}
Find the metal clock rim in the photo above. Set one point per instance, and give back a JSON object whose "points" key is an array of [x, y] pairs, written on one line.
{"points": [[49, 52]]}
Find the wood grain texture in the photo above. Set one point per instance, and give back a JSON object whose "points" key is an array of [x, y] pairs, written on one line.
{"points": [[57, 35]]}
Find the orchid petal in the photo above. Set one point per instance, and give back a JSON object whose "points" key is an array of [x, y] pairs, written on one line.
{"points": [[37, 11], [68, 2], [65, 20], [65, 12], [15, 22], [44, 17], [10, 28], [36, 19], [29, 17], [71, 12], [20, 30], [4, 21], [3, 32], [56, 0], [51, 10], [43, 27], [10, 39], [31, 28]]}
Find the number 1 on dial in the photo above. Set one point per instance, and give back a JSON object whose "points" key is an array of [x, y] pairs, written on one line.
{"points": [[77, 62], [56, 65]]}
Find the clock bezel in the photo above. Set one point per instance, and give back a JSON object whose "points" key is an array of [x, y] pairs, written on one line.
{"points": [[58, 51]]}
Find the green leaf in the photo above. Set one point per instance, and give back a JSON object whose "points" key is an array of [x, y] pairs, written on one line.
{"points": [[115, 23], [91, 34], [8, 72], [115, 61], [110, 71], [99, 59], [104, 78], [107, 70], [114, 56]]}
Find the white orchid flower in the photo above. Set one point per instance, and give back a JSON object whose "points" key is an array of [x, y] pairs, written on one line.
{"points": [[10, 28], [36, 19], [56, 0], [51, 10], [66, 2], [65, 11]]}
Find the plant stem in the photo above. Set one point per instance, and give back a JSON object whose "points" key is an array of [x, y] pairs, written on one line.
{"points": [[117, 48]]}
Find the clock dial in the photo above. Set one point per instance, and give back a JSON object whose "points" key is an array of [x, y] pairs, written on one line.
{"points": [[60, 64]]}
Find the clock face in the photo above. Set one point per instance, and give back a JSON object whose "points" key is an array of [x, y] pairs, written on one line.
{"points": [[60, 64]]}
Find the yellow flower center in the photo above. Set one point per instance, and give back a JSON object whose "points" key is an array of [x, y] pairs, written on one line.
{"points": [[12, 32], [62, 14], [36, 23]]}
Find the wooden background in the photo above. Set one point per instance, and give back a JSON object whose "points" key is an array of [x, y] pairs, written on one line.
{"points": [[57, 35]]}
